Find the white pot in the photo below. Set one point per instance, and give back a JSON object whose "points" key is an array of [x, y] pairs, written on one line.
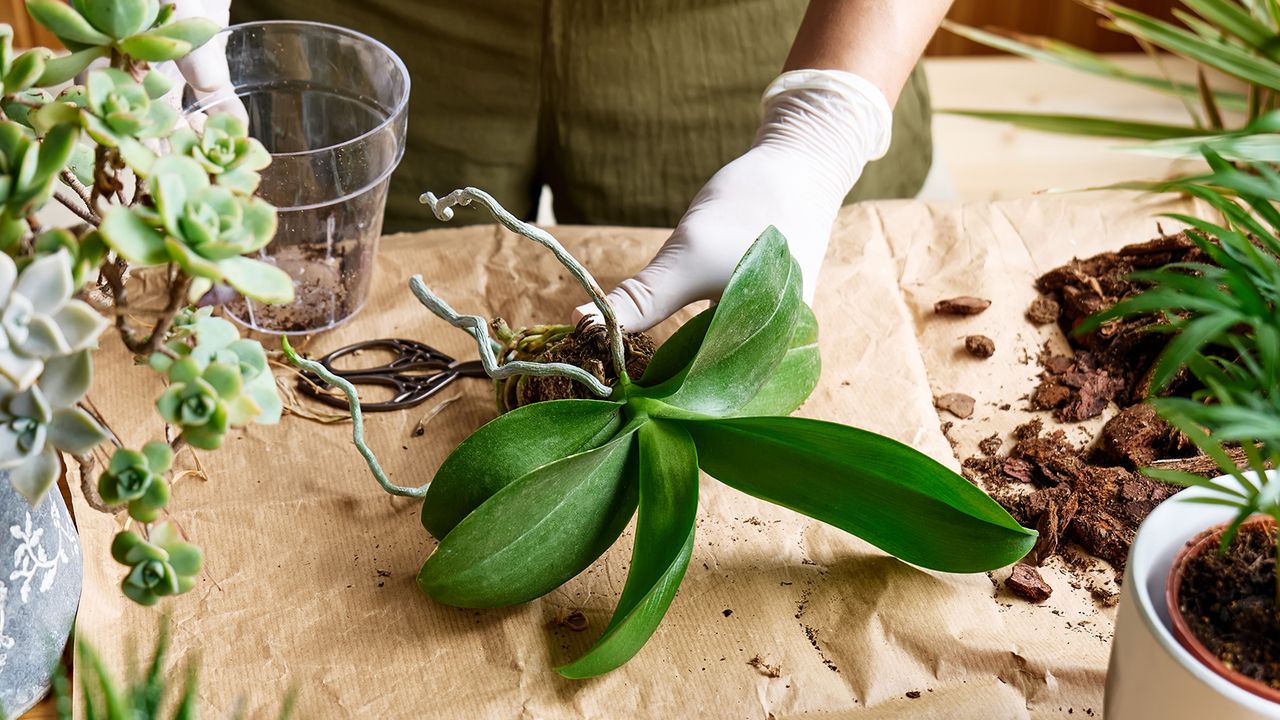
{"points": [[1151, 675]]}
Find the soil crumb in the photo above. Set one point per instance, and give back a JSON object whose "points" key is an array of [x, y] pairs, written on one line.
{"points": [[957, 404], [1229, 602], [574, 620], [769, 671], [980, 346], [991, 444], [963, 305], [1043, 310], [1025, 581]]}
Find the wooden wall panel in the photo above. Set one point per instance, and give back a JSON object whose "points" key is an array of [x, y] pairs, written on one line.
{"points": [[26, 33], [1061, 19]]}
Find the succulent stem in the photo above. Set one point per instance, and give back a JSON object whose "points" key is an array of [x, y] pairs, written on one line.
{"points": [[443, 209], [357, 422]]}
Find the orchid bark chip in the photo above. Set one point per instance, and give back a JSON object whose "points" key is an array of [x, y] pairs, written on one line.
{"points": [[534, 497]]}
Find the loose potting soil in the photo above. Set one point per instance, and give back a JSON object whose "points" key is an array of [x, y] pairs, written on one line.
{"points": [[1091, 495], [1229, 602]]}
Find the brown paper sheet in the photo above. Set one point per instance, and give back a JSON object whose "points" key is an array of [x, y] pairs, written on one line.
{"points": [[310, 568]]}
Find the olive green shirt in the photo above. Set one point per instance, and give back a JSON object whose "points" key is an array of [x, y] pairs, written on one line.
{"points": [[625, 108]]}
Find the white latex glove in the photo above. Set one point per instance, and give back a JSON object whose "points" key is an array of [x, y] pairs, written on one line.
{"points": [[820, 129], [205, 69]]}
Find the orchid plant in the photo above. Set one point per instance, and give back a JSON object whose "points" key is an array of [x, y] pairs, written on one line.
{"points": [[148, 192], [534, 497]]}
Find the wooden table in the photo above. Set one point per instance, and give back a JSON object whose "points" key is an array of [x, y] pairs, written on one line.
{"points": [[991, 161]]}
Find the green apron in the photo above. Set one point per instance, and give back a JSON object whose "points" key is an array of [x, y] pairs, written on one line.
{"points": [[623, 107]]}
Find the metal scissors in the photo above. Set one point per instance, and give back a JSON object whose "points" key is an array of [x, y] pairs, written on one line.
{"points": [[415, 373]]}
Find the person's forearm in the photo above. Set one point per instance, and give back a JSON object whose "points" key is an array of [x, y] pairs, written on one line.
{"points": [[879, 40]]}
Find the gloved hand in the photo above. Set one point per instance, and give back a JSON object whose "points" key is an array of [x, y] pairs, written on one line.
{"points": [[820, 128], [205, 69]]}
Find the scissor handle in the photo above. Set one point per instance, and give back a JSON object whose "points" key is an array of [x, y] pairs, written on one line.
{"points": [[404, 374]]}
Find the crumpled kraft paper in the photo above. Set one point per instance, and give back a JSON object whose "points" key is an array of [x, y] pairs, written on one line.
{"points": [[309, 580]]}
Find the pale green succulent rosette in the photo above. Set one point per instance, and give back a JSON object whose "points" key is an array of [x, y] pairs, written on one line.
{"points": [[39, 319], [218, 341], [120, 113], [37, 422], [137, 478], [225, 151], [206, 229], [163, 566]]}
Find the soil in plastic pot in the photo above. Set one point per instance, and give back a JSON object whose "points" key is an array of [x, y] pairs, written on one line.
{"points": [[1228, 604]]}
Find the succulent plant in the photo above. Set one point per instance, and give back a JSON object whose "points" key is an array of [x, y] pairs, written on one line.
{"points": [[197, 400], [206, 229], [141, 29], [86, 254], [162, 566], [39, 319], [27, 172], [137, 477], [205, 339], [37, 422], [225, 151], [120, 112]]}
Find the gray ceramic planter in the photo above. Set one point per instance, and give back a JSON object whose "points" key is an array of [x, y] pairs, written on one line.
{"points": [[40, 576]]}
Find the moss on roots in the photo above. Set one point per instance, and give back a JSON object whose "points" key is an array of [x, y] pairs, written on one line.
{"points": [[586, 346]]}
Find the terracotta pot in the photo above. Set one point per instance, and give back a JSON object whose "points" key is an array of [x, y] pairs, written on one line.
{"points": [[1151, 675], [1207, 541]]}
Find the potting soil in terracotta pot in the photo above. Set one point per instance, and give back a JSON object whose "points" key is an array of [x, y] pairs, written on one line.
{"points": [[40, 578], [1229, 603]]}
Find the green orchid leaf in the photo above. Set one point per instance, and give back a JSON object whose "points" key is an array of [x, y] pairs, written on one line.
{"points": [[61, 69], [64, 22], [674, 356], [153, 47], [796, 376], [668, 510], [537, 533], [748, 334], [884, 492], [788, 388], [132, 238], [257, 280], [509, 447]]}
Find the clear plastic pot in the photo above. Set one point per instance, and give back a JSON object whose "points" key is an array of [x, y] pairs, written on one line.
{"points": [[330, 105]]}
